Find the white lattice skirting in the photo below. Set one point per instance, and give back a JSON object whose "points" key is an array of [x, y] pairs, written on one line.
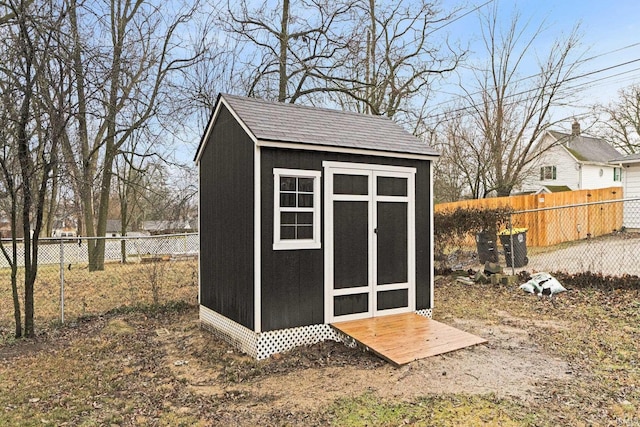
{"points": [[426, 312], [265, 344]]}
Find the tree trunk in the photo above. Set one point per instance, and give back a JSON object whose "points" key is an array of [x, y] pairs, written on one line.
{"points": [[14, 270], [284, 46], [124, 219], [51, 207]]}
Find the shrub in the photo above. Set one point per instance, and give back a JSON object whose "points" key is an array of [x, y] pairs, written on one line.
{"points": [[452, 228]]}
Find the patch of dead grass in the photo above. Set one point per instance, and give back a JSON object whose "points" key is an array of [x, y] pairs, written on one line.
{"points": [[571, 361]]}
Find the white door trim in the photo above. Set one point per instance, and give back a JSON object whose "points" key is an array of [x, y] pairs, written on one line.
{"points": [[372, 171]]}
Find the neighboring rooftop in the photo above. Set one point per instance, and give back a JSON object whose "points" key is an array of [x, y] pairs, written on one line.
{"points": [[586, 148], [557, 188], [629, 158], [114, 226], [163, 225], [291, 123]]}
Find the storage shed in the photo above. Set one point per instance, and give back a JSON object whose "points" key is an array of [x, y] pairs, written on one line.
{"points": [[309, 216]]}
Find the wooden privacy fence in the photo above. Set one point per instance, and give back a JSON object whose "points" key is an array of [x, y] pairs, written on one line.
{"points": [[557, 217]]}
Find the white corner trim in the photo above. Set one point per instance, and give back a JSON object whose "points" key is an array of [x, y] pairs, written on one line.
{"points": [[257, 242]]}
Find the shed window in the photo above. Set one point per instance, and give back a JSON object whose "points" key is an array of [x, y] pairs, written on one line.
{"points": [[617, 174], [296, 209], [547, 173]]}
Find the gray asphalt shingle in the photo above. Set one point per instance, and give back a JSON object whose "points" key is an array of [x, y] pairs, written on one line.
{"points": [[628, 158], [586, 148], [276, 121]]}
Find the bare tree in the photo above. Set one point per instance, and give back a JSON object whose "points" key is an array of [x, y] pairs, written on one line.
{"points": [[395, 57], [462, 169], [35, 111], [120, 88], [511, 112], [290, 53], [622, 124], [367, 56]]}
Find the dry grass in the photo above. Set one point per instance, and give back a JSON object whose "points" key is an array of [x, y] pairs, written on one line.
{"points": [[156, 367], [90, 293]]}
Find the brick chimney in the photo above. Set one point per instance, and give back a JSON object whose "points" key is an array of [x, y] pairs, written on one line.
{"points": [[575, 128]]}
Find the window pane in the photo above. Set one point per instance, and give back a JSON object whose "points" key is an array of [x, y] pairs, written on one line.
{"points": [[350, 184], [287, 183], [287, 218], [305, 185], [288, 200], [305, 232], [287, 232], [389, 186], [305, 218], [305, 200]]}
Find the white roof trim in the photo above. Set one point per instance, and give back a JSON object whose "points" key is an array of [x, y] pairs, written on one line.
{"points": [[623, 162], [205, 139], [607, 164], [347, 150]]}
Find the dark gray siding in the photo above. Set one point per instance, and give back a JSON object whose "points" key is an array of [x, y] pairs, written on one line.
{"points": [[292, 283], [226, 222], [424, 269]]}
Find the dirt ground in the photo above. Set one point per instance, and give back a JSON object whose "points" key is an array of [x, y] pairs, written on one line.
{"points": [[567, 361], [309, 378]]}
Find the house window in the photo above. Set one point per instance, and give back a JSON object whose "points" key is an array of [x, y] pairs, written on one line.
{"points": [[617, 174], [547, 173], [296, 209]]}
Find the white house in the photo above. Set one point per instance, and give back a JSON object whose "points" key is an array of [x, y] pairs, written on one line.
{"points": [[573, 160], [631, 188]]}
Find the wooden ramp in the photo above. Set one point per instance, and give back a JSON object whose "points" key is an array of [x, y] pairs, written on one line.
{"points": [[403, 338]]}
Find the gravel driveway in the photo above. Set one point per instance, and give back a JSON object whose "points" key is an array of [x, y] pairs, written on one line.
{"points": [[615, 255]]}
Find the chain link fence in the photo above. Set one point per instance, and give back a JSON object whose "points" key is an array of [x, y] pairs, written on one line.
{"points": [[599, 237], [137, 271]]}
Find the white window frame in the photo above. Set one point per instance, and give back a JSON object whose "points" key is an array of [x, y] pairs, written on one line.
{"points": [[291, 244], [617, 174], [551, 173]]}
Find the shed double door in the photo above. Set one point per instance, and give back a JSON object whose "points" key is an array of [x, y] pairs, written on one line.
{"points": [[369, 240]]}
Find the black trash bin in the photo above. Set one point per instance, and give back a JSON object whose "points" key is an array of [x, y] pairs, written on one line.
{"points": [[519, 246], [486, 244]]}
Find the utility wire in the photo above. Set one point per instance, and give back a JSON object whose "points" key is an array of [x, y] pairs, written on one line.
{"points": [[459, 17], [473, 106], [541, 73]]}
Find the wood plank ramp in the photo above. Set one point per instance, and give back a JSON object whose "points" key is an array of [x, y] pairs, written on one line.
{"points": [[403, 338]]}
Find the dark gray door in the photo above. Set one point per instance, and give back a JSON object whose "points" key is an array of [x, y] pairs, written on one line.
{"points": [[369, 261]]}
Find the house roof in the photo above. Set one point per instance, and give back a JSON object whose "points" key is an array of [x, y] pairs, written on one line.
{"points": [[270, 123], [557, 188], [586, 148], [114, 226], [629, 158], [161, 225]]}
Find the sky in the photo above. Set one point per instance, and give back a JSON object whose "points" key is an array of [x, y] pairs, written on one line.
{"points": [[609, 38]]}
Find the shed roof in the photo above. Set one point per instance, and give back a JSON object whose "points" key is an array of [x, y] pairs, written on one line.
{"points": [[277, 122], [586, 148]]}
